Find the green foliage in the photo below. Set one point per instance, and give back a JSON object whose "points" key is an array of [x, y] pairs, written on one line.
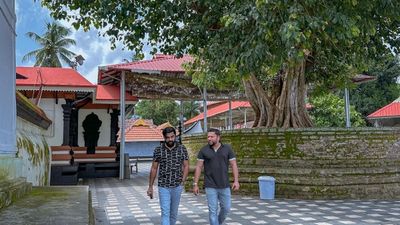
{"points": [[231, 40], [159, 111], [54, 44], [190, 109], [371, 96], [226, 79], [328, 111], [337, 38], [162, 111]]}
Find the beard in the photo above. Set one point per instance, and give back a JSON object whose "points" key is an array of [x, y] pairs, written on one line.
{"points": [[170, 143], [211, 143]]}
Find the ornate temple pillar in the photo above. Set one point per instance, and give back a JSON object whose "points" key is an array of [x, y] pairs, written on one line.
{"points": [[73, 133], [114, 127], [67, 108]]}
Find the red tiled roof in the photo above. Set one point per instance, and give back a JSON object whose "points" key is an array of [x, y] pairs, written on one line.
{"points": [[143, 134], [51, 76], [160, 63], [142, 131], [218, 110], [212, 104], [390, 110], [111, 93], [219, 107]]}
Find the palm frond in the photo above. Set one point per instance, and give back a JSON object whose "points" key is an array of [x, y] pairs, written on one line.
{"points": [[67, 52], [30, 55], [37, 38], [65, 42], [66, 59], [54, 43]]}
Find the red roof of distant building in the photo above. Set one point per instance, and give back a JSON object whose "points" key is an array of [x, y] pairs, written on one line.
{"points": [[112, 93], [219, 107], [212, 104], [218, 110], [51, 76], [390, 110], [142, 131]]}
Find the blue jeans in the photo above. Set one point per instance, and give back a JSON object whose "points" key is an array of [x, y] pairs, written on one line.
{"points": [[222, 195], [169, 203]]}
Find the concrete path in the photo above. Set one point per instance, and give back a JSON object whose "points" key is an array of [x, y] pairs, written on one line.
{"points": [[125, 202]]}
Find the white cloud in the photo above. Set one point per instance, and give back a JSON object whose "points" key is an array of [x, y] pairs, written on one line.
{"points": [[97, 51], [94, 48]]}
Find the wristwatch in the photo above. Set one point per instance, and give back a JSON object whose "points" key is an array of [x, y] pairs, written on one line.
{"points": [[194, 184]]}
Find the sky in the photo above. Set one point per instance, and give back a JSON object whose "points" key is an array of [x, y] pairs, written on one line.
{"points": [[96, 50]]}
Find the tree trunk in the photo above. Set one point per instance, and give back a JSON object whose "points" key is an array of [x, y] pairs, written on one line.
{"points": [[283, 103]]}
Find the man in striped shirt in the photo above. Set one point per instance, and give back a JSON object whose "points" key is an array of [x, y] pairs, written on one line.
{"points": [[171, 161]]}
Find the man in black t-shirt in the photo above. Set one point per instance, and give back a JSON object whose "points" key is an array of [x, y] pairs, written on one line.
{"points": [[171, 161], [216, 158]]}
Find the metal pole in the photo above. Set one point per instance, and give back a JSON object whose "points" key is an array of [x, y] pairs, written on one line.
{"points": [[180, 122], [205, 108], [122, 122], [230, 116], [347, 107]]}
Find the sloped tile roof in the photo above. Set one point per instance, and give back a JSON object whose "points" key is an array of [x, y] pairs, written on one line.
{"points": [[67, 79], [141, 130], [51, 76], [219, 109], [390, 110], [111, 93], [160, 63]]}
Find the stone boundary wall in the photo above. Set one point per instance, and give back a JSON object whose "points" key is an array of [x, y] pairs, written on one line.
{"points": [[315, 163]]}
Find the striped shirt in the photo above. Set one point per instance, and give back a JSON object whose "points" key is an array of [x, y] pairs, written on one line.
{"points": [[170, 172]]}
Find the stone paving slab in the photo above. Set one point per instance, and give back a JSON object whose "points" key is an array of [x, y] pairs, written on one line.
{"points": [[49, 206], [125, 202]]}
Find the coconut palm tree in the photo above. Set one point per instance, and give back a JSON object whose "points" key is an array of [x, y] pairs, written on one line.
{"points": [[54, 44], [191, 109]]}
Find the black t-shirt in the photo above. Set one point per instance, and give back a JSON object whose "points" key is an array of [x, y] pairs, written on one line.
{"points": [[216, 165], [170, 172]]}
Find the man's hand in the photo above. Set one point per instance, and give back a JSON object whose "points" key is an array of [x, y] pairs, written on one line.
{"points": [[235, 186], [150, 192], [195, 189]]}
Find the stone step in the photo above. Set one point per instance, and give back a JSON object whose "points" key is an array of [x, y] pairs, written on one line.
{"points": [[12, 190], [56, 205]]}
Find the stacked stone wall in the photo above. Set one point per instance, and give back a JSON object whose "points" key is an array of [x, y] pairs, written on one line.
{"points": [[313, 163]]}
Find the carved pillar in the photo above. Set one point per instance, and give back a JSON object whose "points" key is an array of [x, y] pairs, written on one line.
{"points": [[67, 108], [73, 134], [114, 127]]}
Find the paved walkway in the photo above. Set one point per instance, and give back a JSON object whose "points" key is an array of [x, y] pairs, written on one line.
{"points": [[55, 205], [125, 202]]}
